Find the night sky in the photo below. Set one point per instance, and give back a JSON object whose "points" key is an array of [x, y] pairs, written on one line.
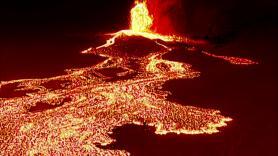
{"points": [[50, 34]]}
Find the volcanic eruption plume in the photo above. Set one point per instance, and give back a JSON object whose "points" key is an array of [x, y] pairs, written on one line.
{"points": [[141, 24], [75, 113], [154, 16], [140, 19], [162, 12]]}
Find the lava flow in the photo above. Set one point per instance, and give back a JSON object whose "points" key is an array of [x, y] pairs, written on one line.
{"points": [[73, 113]]}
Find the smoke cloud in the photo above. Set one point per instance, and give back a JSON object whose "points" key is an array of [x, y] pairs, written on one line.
{"points": [[164, 13]]}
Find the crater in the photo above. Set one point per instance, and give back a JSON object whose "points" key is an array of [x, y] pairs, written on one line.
{"points": [[134, 46]]}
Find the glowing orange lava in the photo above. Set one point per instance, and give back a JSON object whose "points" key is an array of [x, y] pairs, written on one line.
{"points": [[89, 106], [140, 24], [83, 106], [141, 21], [232, 60]]}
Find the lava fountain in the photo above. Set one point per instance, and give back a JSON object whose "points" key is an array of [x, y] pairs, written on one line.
{"points": [[141, 21], [72, 114], [140, 25]]}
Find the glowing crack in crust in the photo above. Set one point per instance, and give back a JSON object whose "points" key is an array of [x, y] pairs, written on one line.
{"points": [[87, 105]]}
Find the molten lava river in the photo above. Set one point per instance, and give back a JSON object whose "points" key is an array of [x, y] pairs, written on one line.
{"points": [[75, 113]]}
